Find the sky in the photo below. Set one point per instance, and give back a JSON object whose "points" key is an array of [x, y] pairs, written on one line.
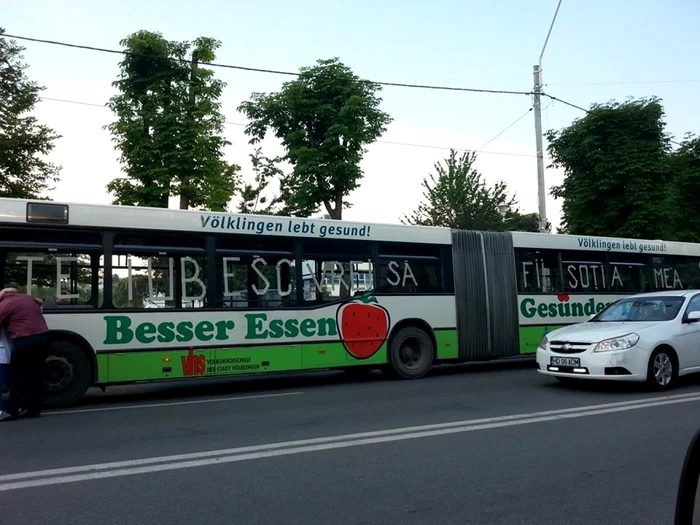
{"points": [[598, 51]]}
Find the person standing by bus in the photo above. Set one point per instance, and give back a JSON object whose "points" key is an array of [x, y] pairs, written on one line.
{"points": [[22, 318], [4, 359], [4, 353]]}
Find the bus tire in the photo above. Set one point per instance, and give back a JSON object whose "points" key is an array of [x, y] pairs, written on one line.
{"points": [[411, 353], [67, 374]]}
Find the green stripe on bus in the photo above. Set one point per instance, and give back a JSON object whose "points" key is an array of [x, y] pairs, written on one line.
{"points": [[177, 364], [447, 347], [530, 337]]}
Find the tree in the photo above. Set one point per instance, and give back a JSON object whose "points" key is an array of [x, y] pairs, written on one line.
{"points": [[324, 118], [24, 173], [169, 125], [253, 198], [529, 222], [457, 196], [617, 173], [683, 205]]}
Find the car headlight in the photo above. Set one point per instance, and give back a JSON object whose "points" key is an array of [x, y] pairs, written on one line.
{"points": [[617, 343], [544, 344]]}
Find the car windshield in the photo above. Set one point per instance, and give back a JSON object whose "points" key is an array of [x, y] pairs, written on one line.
{"points": [[641, 309]]}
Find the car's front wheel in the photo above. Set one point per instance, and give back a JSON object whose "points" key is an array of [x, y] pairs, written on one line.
{"points": [[662, 372]]}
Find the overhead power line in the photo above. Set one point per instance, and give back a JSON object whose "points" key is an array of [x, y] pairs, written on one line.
{"points": [[271, 71], [446, 148], [631, 83], [506, 129], [230, 123], [565, 102]]}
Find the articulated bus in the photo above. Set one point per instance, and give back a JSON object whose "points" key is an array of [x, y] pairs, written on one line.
{"points": [[138, 294]]}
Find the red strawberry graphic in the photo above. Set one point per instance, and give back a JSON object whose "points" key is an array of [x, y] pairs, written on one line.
{"points": [[563, 297], [363, 326]]}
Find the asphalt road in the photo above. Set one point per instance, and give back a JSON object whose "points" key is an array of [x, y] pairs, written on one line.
{"points": [[494, 445]]}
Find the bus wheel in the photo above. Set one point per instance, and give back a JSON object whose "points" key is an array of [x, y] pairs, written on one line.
{"points": [[411, 353], [67, 374]]}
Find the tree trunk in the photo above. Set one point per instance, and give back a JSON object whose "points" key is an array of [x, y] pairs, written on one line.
{"points": [[335, 212], [184, 200]]}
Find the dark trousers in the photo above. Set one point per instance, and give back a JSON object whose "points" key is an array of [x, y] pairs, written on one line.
{"points": [[4, 376], [26, 373]]}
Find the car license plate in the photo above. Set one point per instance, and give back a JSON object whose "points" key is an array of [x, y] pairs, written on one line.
{"points": [[565, 361]]}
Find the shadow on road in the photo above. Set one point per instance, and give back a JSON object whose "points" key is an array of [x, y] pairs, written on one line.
{"points": [[623, 387], [190, 389], [180, 390]]}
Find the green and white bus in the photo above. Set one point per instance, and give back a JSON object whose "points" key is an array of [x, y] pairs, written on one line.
{"points": [[138, 294]]}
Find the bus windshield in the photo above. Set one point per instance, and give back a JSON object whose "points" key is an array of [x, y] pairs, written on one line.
{"points": [[644, 309]]}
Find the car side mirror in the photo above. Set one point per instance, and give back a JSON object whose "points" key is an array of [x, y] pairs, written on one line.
{"points": [[688, 496], [693, 317]]}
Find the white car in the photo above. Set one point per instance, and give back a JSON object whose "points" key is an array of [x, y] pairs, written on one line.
{"points": [[652, 337]]}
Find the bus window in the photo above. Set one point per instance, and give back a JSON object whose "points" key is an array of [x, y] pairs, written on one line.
{"points": [[233, 284], [271, 281], [333, 269], [262, 281], [144, 280], [537, 271], [159, 272], [410, 269], [403, 275], [330, 278], [627, 273], [584, 272], [692, 264], [669, 272], [255, 272], [66, 277]]}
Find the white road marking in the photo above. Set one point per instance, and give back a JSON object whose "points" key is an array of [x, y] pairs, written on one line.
{"points": [[215, 457], [176, 403]]}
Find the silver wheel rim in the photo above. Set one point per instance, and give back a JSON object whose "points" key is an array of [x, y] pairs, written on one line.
{"points": [[663, 369]]}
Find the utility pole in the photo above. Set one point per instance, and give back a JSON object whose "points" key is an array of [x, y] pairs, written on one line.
{"points": [[537, 106]]}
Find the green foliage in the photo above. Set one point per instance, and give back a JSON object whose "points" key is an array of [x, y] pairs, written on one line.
{"points": [[169, 125], [324, 118], [617, 168], [457, 196], [120, 291], [529, 222], [23, 141], [684, 205], [253, 198]]}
